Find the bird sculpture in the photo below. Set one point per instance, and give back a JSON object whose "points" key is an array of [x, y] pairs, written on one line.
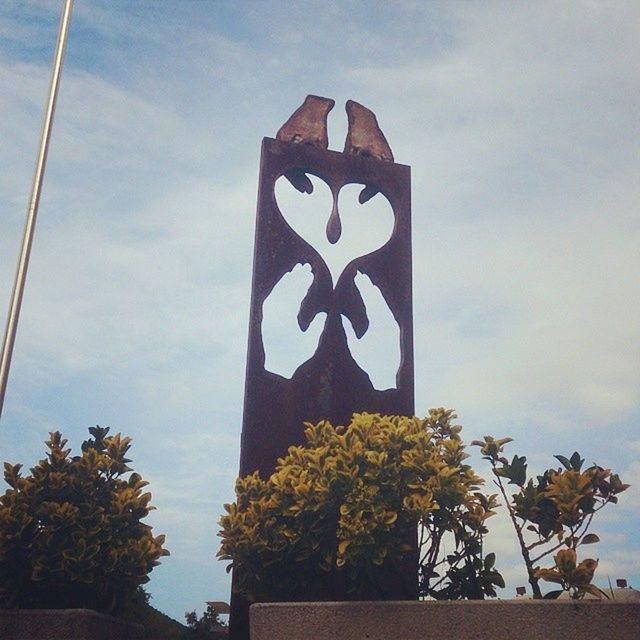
{"points": [[307, 125], [365, 138]]}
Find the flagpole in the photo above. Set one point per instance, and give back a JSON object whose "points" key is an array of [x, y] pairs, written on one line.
{"points": [[32, 211]]}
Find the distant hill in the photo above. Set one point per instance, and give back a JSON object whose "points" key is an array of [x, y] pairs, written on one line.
{"points": [[159, 626]]}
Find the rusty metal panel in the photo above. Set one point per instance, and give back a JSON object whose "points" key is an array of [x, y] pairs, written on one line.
{"points": [[330, 385]]}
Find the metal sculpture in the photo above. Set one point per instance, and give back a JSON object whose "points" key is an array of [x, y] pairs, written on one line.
{"points": [[330, 385]]}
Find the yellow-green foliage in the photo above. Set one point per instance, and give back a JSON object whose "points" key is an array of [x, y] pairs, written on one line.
{"points": [[349, 503], [572, 577], [556, 510], [71, 533]]}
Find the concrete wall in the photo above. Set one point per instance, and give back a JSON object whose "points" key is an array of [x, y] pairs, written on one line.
{"points": [[65, 624], [447, 620]]}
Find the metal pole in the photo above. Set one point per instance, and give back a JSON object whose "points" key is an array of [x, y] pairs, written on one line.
{"points": [[32, 211]]}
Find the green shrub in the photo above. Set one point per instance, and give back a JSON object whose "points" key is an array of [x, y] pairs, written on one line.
{"points": [[208, 626], [553, 514], [344, 508], [71, 532]]}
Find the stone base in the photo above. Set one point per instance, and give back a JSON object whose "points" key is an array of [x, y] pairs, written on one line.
{"points": [[447, 620], [65, 624]]}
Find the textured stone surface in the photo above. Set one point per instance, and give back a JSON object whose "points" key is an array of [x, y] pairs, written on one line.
{"points": [[478, 620], [65, 624]]}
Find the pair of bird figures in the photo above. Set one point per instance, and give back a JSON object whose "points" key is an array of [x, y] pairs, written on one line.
{"points": [[308, 125]]}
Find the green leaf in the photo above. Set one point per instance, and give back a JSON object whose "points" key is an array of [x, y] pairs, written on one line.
{"points": [[516, 472], [590, 538], [489, 561], [595, 591], [576, 461], [616, 485], [564, 462]]}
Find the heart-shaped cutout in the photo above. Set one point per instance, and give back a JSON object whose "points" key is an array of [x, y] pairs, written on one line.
{"points": [[339, 231]]}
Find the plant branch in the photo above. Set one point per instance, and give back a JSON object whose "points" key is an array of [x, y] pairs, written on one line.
{"points": [[537, 543], [548, 551], [533, 581]]}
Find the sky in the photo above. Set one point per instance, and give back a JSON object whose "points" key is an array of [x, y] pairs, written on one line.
{"points": [[520, 123]]}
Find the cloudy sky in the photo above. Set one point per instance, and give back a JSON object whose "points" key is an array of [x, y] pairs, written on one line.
{"points": [[520, 122]]}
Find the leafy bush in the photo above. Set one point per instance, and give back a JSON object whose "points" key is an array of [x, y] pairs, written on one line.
{"points": [[344, 510], [556, 510], [71, 533], [207, 627]]}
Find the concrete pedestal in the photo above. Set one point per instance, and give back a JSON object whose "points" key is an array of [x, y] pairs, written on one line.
{"points": [[447, 620]]}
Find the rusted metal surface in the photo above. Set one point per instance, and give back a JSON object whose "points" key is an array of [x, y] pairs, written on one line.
{"points": [[330, 385], [364, 136], [308, 123]]}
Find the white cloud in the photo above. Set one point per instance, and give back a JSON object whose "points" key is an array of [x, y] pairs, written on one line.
{"points": [[630, 499]]}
